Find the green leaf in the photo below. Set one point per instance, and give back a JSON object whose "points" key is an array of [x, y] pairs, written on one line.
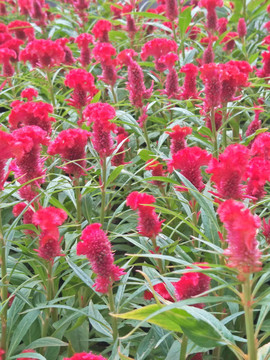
{"points": [[124, 357], [114, 174], [149, 15], [146, 155], [184, 20], [46, 342]]}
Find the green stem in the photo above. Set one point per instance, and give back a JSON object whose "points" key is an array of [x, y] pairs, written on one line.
{"points": [[51, 88], [214, 131], [78, 199], [51, 291], [158, 261], [247, 302], [183, 352], [244, 9], [4, 290], [103, 190], [113, 94], [146, 136], [112, 310]]}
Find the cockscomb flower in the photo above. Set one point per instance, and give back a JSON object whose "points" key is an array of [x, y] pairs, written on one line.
{"points": [[193, 31], [242, 28], [266, 230], [103, 52], [229, 41], [100, 115], [265, 71], [258, 172], [85, 356], [22, 30], [28, 164], [121, 138], [149, 224], [177, 135], [211, 79], [83, 41], [231, 80], [189, 87], [25, 7], [261, 146], [27, 216], [101, 30], [222, 25], [211, 17], [229, 170], [208, 54], [27, 351], [189, 160], [38, 13], [171, 9], [70, 145], [161, 290], [49, 219], [135, 85], [243, 253], [68, 58], [31, 113], [43, 53], [29, 94], [157, 48], [172, 88], [97, 248], [5, 56], [156, 169], [14, 45], [267, 26], [84, 87]]}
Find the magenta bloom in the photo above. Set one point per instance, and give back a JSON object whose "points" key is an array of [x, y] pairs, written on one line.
{"points": [[171, 9], [5, 56], [68, 58], [242, 28], [122, 137], [84, 87], [149, 224], [258, 172], [261, 146], [229, 170], [172, 88], [211, 80], [83, 41], [85, 356], [29, 94], [97, 248], [31, 113], [101, 30], [156, 169], [211, 16], [27, 216], [189, 160], [103, 53], [70, 145], [177, 135], [189, 87], [22, 30], [242, 252]]}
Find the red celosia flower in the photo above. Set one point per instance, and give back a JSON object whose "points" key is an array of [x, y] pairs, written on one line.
{"points": [[27, 216], [261, 146], [177, 135], [222, 25], [49, 219], [189, 160], [229, 42], [211, 16], [258, 172], [101, 114], [43, 53], [2, 352], [172, 88], [265, 71], [28, 164], [267, 26], [241, 227], [101, 30], [266, 230], [83, 41], [157, 48], [117, 10], [68, 58], [156, 169], [198, 356], [189, 87], [23, 30], [211, 80], [97, 248], [25, 7], [31, 113], [171, 9], [70, 144], [149, 224], [242, 28], [231, 79], [229, 170], [208, 54], [5, 56], [29, 94], [161, 290], [193, 31], [14, 45], [135, 85], [122, 138], [209, 39], [83, 84], [28, 351], [85, 356], [103, 53]]}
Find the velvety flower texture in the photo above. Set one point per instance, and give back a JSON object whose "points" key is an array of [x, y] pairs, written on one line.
{"points": [[97, 248], [157, 48], [5, 56], [29, 94], [172, 88], [211, 17], [22, 30], [103, 52], [229, 170], [210, 78], [68, 58], [265, 71], [43, 53], [156, 169], [177, 135], [70, 145], [243, 253], [171, 9], [242, 28], [100, 115], [149, 224], [27, 216], [84, 87], [261, 146], [189, 87], [83, 41], [85, 356], [121, 138], [101, 30], [258, 172], [266, 230], [49, 219], [189, 160], [31, 113]]}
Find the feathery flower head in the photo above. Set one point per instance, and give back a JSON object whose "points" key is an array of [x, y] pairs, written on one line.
{"points": [[23, 30], [171, 9], [242, 252], [27, 216], [101, 30], [125, 56], [83, 41], [85, 356], [29, 94], [261, 146], [265, 71], [103, 53], [97, 248], [177, 135], [156, 169], [266, 230], [228, 40], [211, 79], [68, 58], [222, 25], [189, 87], [242, 28], [5, 56], [258, 172]]}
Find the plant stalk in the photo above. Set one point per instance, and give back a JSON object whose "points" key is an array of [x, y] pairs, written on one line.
{"points": [[51, 291], [51, 88], [103, 190], [146, 136], [158, 261], [214, 131], [78, 199], [112, 310], [247, 302], [184, 343]]}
